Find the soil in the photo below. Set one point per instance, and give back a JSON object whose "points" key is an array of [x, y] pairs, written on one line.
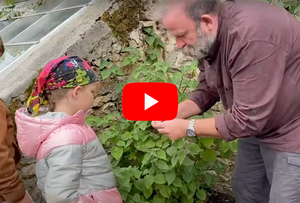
{"points": [[221, 198]]}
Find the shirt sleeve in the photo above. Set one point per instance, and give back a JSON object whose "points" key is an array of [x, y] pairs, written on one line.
{"points": [[12, 188], [257, 71], [62, 180], [204, 96]]}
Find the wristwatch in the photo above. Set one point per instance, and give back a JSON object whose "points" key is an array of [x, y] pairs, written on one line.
{"points": [[191, 129]]}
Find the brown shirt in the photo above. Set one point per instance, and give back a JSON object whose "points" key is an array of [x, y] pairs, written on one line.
{"points": [[254, 69], [11, 186]]}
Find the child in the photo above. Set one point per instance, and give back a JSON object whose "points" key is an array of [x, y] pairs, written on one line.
{"points": [[12, 187], [72, 165]]}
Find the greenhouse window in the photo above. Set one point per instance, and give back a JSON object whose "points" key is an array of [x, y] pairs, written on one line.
{"points": [[22, 33]]}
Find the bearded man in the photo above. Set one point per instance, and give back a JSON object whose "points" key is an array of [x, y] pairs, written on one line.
{"points": [[250, 61]]}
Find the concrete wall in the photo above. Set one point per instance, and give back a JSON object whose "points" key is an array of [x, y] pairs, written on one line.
{"points": [[15, 80]]}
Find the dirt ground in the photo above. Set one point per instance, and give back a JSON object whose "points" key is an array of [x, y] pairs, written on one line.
{"points": [[221, 198]]}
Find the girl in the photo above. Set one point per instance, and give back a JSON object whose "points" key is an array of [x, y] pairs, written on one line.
{"points": [[72, 165]]}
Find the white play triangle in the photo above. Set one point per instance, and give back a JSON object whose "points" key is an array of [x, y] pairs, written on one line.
{"points": [[149, 101]]}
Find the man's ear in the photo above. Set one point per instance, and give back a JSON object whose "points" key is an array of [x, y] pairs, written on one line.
{"points": [[207, 23], [75, 91]]}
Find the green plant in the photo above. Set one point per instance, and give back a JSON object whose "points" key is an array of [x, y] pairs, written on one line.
{"points": [[148, 166], [10, 2]]}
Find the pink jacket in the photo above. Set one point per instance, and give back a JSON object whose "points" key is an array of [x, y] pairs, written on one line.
{"points": [[72, 165]]}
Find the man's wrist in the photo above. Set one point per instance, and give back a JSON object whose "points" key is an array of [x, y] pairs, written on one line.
{"points": [[190, 132]]}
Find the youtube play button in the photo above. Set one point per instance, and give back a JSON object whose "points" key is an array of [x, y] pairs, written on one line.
{"points": [[150, 101]]}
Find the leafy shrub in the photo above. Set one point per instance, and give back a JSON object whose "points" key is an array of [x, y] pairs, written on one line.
{"points": [[148, 166]]}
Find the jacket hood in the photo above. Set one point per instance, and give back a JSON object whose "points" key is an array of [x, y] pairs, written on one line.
{"points": [[33, 131]]}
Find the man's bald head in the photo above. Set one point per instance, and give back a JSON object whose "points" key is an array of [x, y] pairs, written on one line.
{"points": [[194, 9]]}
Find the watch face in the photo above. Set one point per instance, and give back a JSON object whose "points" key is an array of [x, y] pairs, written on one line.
{"points": [[190, 132]]}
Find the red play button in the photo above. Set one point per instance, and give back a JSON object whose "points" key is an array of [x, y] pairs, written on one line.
{"points": [[150, 101]]}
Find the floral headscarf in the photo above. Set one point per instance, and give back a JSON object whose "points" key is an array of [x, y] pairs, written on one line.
{"points": [[60, 73]]}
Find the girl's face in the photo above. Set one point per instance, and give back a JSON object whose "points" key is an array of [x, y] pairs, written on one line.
{"points": [[82, 98]]}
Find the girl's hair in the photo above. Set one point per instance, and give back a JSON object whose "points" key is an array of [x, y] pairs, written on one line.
{"points": [[54, 96]]}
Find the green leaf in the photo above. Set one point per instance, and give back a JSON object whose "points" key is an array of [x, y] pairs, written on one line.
{"points": [[162, 165], [119, 72], [104, 64], [146, 171], [165, 191], [146, 158], [152, 57], [121, 143], [165, 145], [158, 199], [179, 144], [174, 189], [177, 182], [136, 74], [207, 142], [164, 138], [207, 178], [147, 193], [233, 146], [126, 61], [187, 177], [129, 49], [143, 125], [136, 198], [117, 152], [171, 150], [194, 148], [150, 40], [150, 144], [126, 136], [114, 69], [297, 10], [105, 73], [161, 154], [188, 162], [170, 177], [160, 179], [148, 180], [192, 185], [181, 156], [174, 160], [139, 184], [184, 189], [160, 43], [103, 138], [201, 194], [209, 155]]}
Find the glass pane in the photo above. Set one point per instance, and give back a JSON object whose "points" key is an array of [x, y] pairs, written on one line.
{"points": [[70, 3], [17, 27], [44, 26], [48, 5], [3, 24], [11, 53]]}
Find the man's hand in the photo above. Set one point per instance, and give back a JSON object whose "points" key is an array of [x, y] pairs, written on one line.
{"points": [[174, 129]]}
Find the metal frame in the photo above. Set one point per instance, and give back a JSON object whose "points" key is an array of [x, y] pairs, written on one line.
{"points": [[34, 43]]}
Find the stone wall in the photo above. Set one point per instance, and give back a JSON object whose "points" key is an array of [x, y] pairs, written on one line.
{"points": [[98, 42]]}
